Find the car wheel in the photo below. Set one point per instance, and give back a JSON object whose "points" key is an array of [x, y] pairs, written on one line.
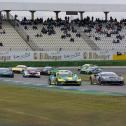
{"points": [[57, 83], [49, 82], [91, 82], [122, 84], [24, 76], [100, 82]]}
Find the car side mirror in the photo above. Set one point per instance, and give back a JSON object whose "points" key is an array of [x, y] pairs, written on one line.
{"points": [[96, 75]]}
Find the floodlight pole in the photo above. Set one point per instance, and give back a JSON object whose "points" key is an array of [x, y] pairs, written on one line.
{"points": [[106, 15], [57, 14], [81, 15], [8, 14], [32, 15]]}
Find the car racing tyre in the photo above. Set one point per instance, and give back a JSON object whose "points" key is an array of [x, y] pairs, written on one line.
{"points": [[100, 82], [12, 76], [91, 82], [122, 84], [56, 83], [49, 82]]}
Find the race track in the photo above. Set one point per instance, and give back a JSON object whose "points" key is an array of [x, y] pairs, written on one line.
{"points": [[86, 87]]}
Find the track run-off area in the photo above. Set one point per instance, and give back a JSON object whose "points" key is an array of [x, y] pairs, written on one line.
{"points": [[85, 88]]}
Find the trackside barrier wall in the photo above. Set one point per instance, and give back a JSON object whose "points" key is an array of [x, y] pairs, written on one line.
{"points": [[54, 56], [119, 57]]}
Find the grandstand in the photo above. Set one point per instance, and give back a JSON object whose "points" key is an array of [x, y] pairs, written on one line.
{"points": [[61, 34], [10, 40]]}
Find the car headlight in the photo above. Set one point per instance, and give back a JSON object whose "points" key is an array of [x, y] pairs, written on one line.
{"points": [[59, 79], [121, 78]]}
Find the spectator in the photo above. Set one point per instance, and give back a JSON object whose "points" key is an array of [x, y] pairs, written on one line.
{"points": [[71, 39], [1, 44], [28, 38]]}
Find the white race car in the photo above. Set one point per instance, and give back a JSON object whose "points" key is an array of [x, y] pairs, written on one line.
{"points": [[31, 72]]}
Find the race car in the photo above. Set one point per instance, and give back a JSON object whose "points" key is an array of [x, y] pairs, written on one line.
{"points": [[104, 78], [46, 70], [92, 70], [31, 72], [85, 66], [19, 68], [53, 71], [64, 77], [6, 72]]}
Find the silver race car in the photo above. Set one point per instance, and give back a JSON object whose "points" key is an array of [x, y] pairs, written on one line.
{"points": [[104, 78]]}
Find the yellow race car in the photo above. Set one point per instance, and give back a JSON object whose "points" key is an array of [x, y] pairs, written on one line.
{"points": [[65, 77], [19, 68]]}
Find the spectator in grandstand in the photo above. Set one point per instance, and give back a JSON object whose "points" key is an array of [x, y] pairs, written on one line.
{"points": [[97, 38], [34, 27], [44, 30], [25, 27], [68, 35], [28, 38], [1, 44], [78, 35], [71, 39], [63, 36], [119, 53], [60, 49], [37, 35], [4, 32], [116, 41]]}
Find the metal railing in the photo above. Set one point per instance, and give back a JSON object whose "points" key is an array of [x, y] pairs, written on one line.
{"points": [[87, 39], [16, 25]]}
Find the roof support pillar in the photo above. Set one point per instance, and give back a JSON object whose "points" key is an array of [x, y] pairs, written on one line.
{"points": [[106, 15], [0, 18], [81, 15], [7, 14], [57, 14], [32, 15]]}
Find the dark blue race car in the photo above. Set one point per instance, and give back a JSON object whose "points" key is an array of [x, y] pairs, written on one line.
{"points": [[6, 72]]}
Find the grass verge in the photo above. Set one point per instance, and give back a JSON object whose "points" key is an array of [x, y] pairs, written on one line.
{"points": [[21, 106]]}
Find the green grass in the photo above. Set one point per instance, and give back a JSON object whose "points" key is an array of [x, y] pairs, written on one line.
{"points": [[21, 106], [63, 63]]}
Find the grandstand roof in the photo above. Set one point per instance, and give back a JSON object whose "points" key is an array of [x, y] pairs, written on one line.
{"points": [[17, 6]]}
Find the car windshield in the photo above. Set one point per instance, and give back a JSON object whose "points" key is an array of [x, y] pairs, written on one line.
{"points": [[32, 69], [65, 74], [92, 68], [4, 70], [21, 66], [47, 68], [109, 74]]}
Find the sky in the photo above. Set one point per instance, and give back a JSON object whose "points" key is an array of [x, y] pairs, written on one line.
{"points": [[69, 1], [62, 15]]}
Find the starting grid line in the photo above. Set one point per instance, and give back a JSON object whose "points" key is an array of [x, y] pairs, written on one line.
{"points": [[63, 88]]}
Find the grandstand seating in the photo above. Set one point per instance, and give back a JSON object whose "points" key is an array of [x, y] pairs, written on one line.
{"points": [[104, 42], [11, 40], [54, 42]]}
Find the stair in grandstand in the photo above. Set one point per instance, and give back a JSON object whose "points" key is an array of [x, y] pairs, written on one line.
{"points": [[87, 39], [23, 35]]}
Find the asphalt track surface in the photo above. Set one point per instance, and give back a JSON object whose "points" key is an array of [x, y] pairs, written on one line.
{"points": [[85, 87]]}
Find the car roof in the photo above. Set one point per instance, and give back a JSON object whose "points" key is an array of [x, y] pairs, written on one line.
{"points": [[107, 73], [64, 72], [48, 67], [21, 66], [32, 68], [3, 68], [87, 64]]}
